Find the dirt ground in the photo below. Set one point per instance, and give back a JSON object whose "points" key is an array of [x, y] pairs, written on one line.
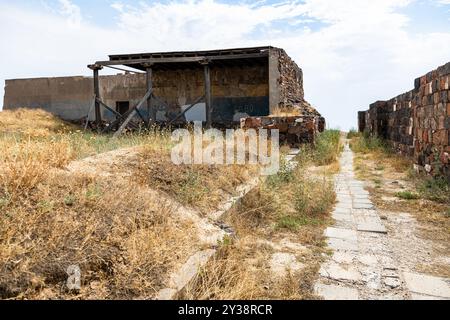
{"points": [[419, 229]]}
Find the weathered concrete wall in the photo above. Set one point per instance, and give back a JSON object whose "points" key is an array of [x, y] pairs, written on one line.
{"points": [[418, 121], [71, 97]]}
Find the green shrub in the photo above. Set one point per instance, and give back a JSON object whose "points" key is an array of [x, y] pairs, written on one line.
{"points": [[284, 175], [367, 143], [327, 147], [435, 189], [407, 195], [353, 133]]}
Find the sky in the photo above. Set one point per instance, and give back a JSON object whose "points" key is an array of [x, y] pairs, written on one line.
{"points": [[352, 52]]}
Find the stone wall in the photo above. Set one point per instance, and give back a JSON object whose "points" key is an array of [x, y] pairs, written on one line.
{"points": [[417, 122], [286, 82], [294, 130]]}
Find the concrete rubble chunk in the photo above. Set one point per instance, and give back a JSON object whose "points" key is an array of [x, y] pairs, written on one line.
{"points": [[392, 282]]}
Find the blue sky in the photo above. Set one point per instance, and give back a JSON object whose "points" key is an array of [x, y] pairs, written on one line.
{"points": [[353, 52]]}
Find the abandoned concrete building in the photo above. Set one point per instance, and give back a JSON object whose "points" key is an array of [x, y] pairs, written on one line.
{"points": [[219, 87], [417, 122]]}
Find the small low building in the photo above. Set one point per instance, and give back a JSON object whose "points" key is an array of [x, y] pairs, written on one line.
{"points": [[218, 87]]}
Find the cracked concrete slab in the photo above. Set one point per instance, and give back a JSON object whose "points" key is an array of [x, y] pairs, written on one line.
{"points": [[338, 272], [427, 285], [344, 234], [333, 292]]}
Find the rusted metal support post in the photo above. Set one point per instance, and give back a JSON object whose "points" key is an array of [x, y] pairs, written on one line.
{"points": [[208, 94], [151, 112], [98, 114]]}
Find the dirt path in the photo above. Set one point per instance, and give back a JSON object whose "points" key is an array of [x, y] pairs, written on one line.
{"points": [[373, 257]]}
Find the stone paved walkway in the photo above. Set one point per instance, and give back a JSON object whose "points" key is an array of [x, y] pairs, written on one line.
{"points": [[363, 265]]}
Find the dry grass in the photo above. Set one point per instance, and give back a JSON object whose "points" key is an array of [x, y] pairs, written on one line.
{"points": [[122, 240], [35, 123], [392, 177], [125, 238], [290, 205], [201, 186], [286, 112]]}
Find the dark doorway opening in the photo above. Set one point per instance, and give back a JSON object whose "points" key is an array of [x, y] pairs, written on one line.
{"points": [[122, 107]]}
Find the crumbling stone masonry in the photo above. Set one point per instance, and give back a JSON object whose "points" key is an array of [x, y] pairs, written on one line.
{"points": [[417, 123]]}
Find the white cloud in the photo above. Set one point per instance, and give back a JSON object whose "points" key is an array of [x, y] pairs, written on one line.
{"points": [[362, 53], [71, 11]]}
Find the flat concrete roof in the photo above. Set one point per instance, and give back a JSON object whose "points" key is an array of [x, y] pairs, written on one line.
{"points": [[191, 59]]}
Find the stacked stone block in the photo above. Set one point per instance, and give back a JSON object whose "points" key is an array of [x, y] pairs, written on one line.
{"points": [[417, 123]]}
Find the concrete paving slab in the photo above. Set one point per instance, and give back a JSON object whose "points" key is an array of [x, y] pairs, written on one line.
{"points": [[340, 293], [372, 227], [344, 245], [344, 257], [427, 285], [336, 272], [421, 297], [342, 211], [362, 205], [344, 234], [343, 217]]}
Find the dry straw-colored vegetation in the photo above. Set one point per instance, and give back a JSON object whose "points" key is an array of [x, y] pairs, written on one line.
{"points": [[396, 187], [293, 205], [126, 238], [51, 219], [122, 235]]}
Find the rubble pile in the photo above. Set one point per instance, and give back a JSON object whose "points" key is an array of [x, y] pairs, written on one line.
{"points": [[294, 130]]}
